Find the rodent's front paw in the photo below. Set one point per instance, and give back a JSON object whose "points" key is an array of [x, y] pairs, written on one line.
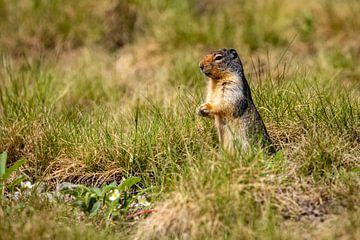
{"points": [[204, 110]]}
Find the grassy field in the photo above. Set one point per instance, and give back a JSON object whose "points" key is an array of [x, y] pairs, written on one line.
{"points": [[94, 91]]}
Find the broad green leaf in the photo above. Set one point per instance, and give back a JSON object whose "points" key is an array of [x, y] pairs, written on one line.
{"points": [[97, 191], [17, 181], [79, 202], [128, 183], [95, 208], [91, 203], [106, 188], [94, 195], [81, 190], [3, 157], [113, 184], [13, 168]]}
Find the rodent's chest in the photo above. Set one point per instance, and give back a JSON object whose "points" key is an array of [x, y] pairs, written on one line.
{"points": [[228, 121], [226, 91]]}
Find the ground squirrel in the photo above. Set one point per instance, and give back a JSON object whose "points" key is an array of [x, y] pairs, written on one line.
{"points": [[230, 103]]}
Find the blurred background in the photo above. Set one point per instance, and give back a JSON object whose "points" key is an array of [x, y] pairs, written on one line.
{"points": [[32, 28], [138, 38]]}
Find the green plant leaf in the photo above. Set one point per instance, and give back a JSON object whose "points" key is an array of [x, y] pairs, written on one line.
{"points": [[79, 192], [13, 168], [17, 181], [128, 183], [3, 157], [95, 207], [107, 188], [97, 191]]}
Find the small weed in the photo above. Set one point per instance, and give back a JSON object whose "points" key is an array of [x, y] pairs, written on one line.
{"points": [[110, 201], [5, 174]]}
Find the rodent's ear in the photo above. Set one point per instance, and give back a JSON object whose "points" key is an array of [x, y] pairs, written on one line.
{"points": [[233, 53]]}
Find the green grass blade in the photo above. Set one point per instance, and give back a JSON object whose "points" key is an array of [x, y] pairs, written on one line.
{"points": [[17, 181], [13, 168], [3, 157]]}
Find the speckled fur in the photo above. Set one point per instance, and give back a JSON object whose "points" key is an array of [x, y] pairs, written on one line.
{"points": [[229, 102]]}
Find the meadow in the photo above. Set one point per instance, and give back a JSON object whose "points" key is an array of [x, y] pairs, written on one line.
{"points": [[92, 92]]}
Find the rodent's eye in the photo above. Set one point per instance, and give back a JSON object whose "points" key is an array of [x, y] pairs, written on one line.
{"points": [[218, 57]]}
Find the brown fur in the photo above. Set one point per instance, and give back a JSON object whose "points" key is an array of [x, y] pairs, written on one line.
{"points": [[230, 104]]}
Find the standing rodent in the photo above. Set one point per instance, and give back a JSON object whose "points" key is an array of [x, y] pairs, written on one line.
{"points": [[230, 103]]}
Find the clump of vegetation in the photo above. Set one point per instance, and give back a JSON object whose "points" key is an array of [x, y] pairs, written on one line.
{"points": [[110, 200], [5, 174]]}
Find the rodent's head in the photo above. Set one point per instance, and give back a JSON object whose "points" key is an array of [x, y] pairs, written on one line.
{"points": [[221, 63]]}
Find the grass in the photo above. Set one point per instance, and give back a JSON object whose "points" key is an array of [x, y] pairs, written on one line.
{"points": [[89, 105]]}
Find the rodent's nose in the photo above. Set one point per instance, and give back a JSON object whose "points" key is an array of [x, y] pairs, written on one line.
{"points": [[201, 66]]}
